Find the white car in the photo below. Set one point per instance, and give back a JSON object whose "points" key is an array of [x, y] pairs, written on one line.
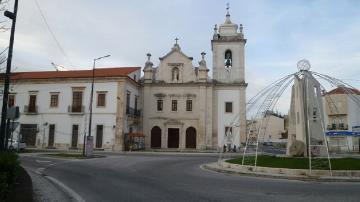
{"points": [[14, 145]]}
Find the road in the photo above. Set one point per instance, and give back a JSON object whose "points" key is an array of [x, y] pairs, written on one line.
{"points": [[160, 177]]}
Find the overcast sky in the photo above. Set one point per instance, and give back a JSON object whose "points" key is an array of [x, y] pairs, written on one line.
{"points": [[279, 33]]}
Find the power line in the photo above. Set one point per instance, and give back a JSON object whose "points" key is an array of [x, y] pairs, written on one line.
{"points": [[51, 32]]}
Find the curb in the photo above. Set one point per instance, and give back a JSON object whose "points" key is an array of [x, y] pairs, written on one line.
{"points": [[62, 187], [215, 167], [66, 189]]}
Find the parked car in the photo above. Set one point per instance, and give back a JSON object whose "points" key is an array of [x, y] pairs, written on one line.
{"points": [[14, 145]]}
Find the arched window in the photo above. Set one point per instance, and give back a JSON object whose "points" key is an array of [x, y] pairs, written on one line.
{"points": [[175, 74], [228, 58]]}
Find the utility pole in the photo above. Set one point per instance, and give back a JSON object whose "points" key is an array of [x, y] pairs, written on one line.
{"points": [[12, 16]]}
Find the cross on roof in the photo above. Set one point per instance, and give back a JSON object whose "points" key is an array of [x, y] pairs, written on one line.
{"points": [[176, 40]]}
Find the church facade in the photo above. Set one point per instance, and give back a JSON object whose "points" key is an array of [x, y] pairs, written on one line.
{"points": [[176, 105], [184, 108]]}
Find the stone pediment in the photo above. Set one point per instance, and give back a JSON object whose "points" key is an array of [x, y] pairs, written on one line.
{"points": [[176, 48]]}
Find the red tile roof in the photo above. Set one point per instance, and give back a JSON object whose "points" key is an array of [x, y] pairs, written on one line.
{"points": [[343, 90], [99, 72]]}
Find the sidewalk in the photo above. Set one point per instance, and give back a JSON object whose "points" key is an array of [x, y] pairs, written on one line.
{"points": [[45, 190]]}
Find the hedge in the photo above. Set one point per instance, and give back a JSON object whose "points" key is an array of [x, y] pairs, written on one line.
{"points": [[9, 165]]}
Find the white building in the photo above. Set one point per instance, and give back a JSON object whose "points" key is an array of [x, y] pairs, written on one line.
{"points": [[273, 128], [184, 108], [342, 119], [54, 107]]}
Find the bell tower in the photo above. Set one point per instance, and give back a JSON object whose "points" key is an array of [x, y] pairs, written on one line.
{"points": [[228, 52], [228, 45]]}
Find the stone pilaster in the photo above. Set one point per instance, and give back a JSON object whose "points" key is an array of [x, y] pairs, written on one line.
{"points": [[120, 117]]}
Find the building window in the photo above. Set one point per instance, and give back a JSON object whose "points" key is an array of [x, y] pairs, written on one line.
{"points": [[159, 105], [297, 118], [128, 94], [11, 100], [77, 101], [228, 107], [175, 74], [174, 105], [189, 105], [54, 100], [32, 103], [136, 103], [101, 99]]}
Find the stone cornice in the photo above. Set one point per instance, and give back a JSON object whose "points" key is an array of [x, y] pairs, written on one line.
{"points": [[190, 84]]}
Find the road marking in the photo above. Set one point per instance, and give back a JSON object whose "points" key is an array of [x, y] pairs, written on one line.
{"points": [[42, 161], [39, 171], [67, 189]]}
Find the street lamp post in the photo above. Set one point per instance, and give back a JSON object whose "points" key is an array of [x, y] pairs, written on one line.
{"points": [[12, 16], [90, 143]]}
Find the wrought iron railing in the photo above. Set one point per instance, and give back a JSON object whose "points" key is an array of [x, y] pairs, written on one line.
{"points": [[133, 112], [76, 109]]}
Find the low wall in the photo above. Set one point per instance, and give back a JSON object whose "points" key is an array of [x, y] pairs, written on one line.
{"points": [[289, 172]]}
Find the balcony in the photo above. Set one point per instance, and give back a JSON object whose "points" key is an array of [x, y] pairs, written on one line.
{"points": [[31, 110], [339, 126], [135, 113], [76, 109]]}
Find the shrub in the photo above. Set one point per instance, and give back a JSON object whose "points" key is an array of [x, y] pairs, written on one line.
{"points": [[9, 165]]}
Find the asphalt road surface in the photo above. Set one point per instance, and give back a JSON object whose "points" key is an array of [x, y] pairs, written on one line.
{"points": [[150, 177]]}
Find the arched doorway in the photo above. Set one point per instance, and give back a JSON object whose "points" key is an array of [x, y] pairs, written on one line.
{"points": [[156, 137], [191, 137]]}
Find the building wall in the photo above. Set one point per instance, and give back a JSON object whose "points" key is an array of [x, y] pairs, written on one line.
{"points": [[224, 120], [340, 108], [201, 97], [275, 127], [353, 112], [64, 120], [237, 70]]}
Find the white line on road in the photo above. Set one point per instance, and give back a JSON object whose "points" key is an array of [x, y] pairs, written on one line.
{"points": [[42, 161], [67, 189]]}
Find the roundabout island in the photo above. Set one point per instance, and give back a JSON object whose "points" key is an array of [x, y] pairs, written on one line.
{"points": [[307, 153], [345, 169]]}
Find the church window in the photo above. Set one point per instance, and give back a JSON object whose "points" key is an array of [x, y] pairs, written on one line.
{"points": [[174, 105], [297, 118], [228, 58], [175, 74], [228, 107], [159, 105], [189, 105]]}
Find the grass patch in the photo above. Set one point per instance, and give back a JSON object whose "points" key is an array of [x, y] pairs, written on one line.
{"points": [[300, 162], [72, 155]]}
